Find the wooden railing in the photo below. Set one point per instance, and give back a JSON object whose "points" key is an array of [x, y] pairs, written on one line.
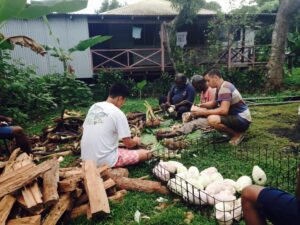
{"points": [[128, 59], [245, 56]]}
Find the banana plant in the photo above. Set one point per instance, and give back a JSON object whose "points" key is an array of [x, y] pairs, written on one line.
{"points": [[20, 9], [64, 55]]}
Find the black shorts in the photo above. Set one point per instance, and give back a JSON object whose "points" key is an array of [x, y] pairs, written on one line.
{"points": [[235, 122], [279, 207]]}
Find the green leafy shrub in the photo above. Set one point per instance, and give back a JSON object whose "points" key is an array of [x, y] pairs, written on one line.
{"points": [[105, 79], [292, 79], [25, 95]]}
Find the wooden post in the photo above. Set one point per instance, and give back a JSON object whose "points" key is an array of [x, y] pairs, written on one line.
{"points": [[6, 205], [94, 188], [162, 37], [50, 179]]}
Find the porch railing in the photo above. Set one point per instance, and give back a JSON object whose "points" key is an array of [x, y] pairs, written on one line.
{"points": [[128, 59]]}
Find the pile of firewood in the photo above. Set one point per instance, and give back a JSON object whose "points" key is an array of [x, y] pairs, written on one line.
{"points": [[46, 193]]}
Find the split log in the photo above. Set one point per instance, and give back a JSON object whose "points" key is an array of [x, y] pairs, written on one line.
{"points": [[50, 180], [54, 155], [58, 209], [94, 188], [32, 220], [34, 211], [11, 161], [116, 172], [16, 179], [78, 211], [31, 193], [76, 171], [2, 164], [6, 205], [118, 196], [68, 185], [135, 184], [84, 198]]}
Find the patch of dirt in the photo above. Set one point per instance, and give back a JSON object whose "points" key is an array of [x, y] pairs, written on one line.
{"points": [[292, 133]]}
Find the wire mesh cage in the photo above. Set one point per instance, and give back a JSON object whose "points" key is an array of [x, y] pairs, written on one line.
{"points": [[280, 165]]}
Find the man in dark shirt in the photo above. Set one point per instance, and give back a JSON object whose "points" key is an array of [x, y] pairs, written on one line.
{"points": [[181, 96]]}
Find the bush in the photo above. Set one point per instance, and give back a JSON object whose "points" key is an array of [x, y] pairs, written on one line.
{"points": [[25, 95], [105, 79]]}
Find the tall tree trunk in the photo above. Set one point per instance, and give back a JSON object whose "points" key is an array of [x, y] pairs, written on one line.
{"points": [[275, 65]]}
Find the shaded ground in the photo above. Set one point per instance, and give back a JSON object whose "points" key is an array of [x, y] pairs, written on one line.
{"points": [[292, 133]]}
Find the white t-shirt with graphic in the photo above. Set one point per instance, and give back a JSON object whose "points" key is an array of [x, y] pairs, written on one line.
{"points": [[103, 127]]}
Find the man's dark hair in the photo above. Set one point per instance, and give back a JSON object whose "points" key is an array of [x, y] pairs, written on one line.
{"points": [[213, 72], [118, 89], [199, 83], [181, 77]]}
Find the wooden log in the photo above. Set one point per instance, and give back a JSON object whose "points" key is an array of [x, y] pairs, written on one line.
{"points": [[31, 193], [31, 220], [118, 196], [2, 164], [54, 155], [117, 172], [50, 180], [136, 184], [84, 198], [33, 211], [11, 161], [6, 205], [68, 185], [16, 179], [78, 211], [76, 171], [94, 188], [58, 209], [77, 193]]}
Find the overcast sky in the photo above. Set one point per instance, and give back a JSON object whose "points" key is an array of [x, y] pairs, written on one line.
{"points": [[95, 4]]}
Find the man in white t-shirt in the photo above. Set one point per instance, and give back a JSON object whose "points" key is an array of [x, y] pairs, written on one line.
{"points": [[104, 125]]}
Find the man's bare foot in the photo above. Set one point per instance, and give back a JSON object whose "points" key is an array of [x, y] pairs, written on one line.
{"points": [[237, 139]]}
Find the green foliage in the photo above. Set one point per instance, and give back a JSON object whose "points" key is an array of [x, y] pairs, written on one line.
{"points": [[292, 79], [188, 10], [160, 86], [213, 5], [24, 95], [248, 80], [107, 5], [19, 9], [105, 79], [65, 55], [139, 87]]}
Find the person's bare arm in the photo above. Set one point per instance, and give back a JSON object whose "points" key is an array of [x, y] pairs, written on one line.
{"points": [[131, 142], [222, 110], [209, 105]]}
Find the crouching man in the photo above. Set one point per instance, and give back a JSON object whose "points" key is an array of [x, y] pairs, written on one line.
{"points": [[232, 116], [104, 125]]}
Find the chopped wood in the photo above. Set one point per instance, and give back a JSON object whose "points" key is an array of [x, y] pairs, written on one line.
{"points": [[50, 180], [94, 188], [11, 161], [68, 185], [78, 211], [2, 164], [65, 153], [58, 209], [31, 220], [6, 205], [76, 171], [116, 172], [16, 179], [144, 177], [84, 198], [77, 193], [33, 211], [136, 184], [118, 196]]}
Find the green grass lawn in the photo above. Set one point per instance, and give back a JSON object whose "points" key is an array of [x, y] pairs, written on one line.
{"points": [[222, 156]]}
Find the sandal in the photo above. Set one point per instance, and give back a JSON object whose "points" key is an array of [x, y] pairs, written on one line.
{"points": [[237, 141]]}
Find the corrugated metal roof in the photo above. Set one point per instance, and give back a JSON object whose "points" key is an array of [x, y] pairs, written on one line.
{"points": [[151, 8]]}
